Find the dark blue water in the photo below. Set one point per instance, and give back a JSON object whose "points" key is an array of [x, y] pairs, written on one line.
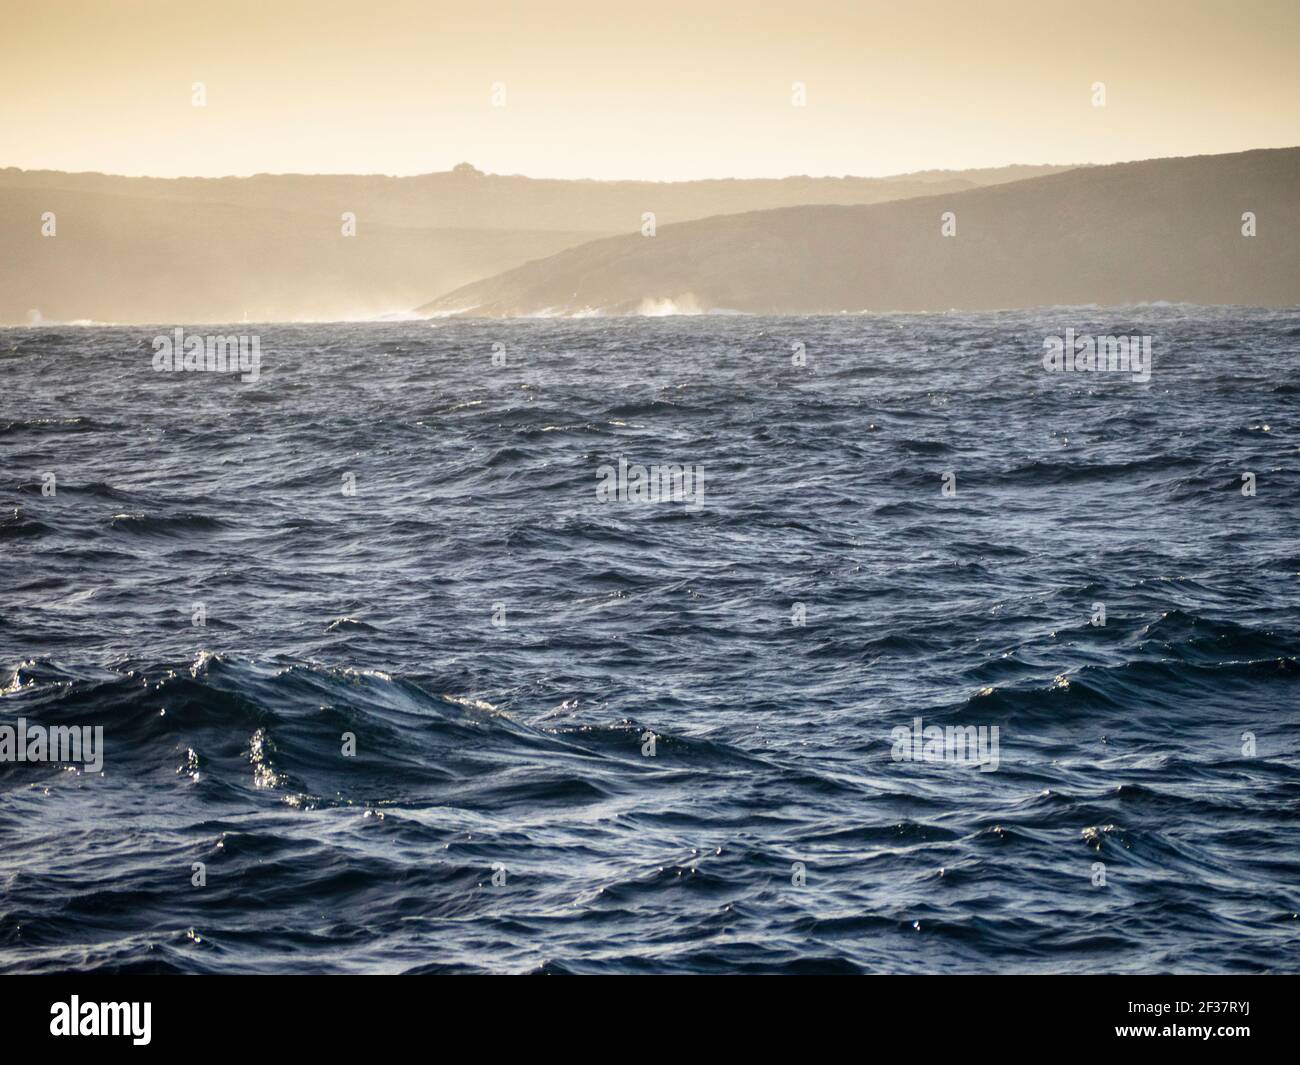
{"points": [[501, 644]]}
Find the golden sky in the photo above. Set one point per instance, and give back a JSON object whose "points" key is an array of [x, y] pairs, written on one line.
{"points": [[660, 90]]}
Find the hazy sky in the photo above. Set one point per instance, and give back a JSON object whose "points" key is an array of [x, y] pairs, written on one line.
{"points": [[660, 90]]}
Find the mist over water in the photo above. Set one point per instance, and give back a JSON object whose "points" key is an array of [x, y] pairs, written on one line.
{"points": [[501, 643]]}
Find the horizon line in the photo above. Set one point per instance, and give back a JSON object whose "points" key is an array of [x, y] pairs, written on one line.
{"points": [[466, 167], [601, 181]]}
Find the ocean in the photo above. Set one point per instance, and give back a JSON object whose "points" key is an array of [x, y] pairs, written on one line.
{"points": [[862, 643]]}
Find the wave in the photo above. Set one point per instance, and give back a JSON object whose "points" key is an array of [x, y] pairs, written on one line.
{"points": [[471, 719]]}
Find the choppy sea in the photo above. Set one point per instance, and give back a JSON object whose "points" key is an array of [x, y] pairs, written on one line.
{"points": [[386, 683]]}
